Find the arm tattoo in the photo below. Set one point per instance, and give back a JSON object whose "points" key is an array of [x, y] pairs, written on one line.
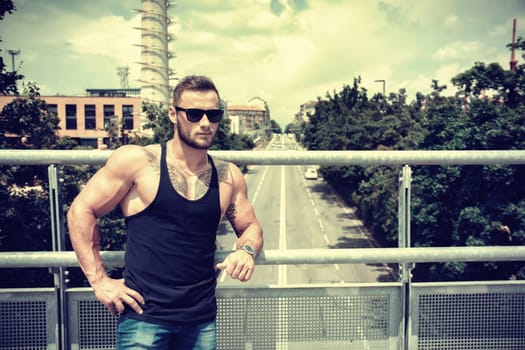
{"points": [[231, 214]]}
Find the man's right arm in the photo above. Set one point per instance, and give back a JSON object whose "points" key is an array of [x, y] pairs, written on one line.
{"points": [[100, 195]]}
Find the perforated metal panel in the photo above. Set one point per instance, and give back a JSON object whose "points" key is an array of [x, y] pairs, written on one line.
{"points": [[265, 318], [96, 326], [305, 322], [462, 319], [26, 321]]}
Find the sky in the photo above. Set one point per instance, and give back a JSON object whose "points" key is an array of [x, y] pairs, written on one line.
{"points": [[285, 52]]}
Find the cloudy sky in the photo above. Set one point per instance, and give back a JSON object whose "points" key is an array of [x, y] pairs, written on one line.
{"points": [[285, 52]]}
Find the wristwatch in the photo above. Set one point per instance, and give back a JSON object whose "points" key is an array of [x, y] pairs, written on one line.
{"points": [[248, 249]]}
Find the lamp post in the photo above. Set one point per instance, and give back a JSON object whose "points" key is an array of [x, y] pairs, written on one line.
{"points": [[381, 81], [13, 53]]}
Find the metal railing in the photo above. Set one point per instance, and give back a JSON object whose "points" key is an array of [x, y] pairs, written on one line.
{"points": [[403, 315]]}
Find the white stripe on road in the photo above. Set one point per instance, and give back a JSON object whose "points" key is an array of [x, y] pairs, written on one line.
{"points": [[282, 279], [319, 220], [281, 341], [259, 185]]}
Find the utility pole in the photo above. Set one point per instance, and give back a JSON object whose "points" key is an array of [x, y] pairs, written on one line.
{"points": [[513, 61], [13, 53]]}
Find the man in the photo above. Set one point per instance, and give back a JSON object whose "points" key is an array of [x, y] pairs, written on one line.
{"points": [[173, 196]]}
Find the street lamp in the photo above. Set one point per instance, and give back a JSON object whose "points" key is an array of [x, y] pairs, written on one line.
{"points": [[381, 81], [13, 53]]}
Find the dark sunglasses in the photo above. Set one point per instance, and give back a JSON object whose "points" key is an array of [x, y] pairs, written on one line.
{"points": [[194, 115]]}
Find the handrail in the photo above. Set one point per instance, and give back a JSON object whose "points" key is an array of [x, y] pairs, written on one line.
{"points": [[297, 256], [288, 157]]}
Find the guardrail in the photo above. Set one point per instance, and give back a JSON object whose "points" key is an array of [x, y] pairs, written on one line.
{"points": [[297, 256], [474, 157], [402, 314]]}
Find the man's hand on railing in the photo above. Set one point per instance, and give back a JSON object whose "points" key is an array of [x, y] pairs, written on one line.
{"points": [[239, 265], [113, 294]]}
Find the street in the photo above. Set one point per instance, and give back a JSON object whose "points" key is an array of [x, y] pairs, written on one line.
{"points": [[299, 213]]}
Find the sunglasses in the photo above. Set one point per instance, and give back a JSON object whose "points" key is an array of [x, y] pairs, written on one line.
{"points": [[194, 115]]}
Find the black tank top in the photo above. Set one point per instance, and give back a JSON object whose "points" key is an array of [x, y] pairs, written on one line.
{"points": [[170, 253]]}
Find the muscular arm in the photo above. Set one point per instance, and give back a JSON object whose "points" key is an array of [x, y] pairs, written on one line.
{"points": [[242, 217], [100, 195]]}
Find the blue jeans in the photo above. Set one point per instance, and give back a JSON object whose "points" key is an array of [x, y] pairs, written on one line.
{"points": [[133, 334]]}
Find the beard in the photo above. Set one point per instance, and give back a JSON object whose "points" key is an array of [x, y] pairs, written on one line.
{"points": [[186, 139]]}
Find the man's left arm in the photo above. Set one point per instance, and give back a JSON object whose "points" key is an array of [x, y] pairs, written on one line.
{"points": [[241, 263]]}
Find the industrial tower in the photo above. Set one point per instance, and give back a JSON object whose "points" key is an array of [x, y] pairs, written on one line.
{"points": [[155, 55]]}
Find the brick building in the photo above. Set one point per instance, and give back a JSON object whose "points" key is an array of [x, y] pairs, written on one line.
{"points": [[248, 119], [86, 118]]}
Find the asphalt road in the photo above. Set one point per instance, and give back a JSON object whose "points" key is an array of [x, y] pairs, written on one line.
{"points": [[299, 213]]}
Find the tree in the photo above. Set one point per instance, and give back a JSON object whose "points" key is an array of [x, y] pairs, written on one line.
{"points": [[24, 190], [28, 118], [451, 205], [8, 80], [276, 129]]}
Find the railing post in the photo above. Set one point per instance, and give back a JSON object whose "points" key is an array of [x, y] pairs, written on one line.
{"points": [[405, 269], [58, 241]]}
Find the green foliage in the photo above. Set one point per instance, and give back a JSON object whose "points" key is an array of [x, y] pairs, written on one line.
{"points": [[24, 190], [8, 80], [158, 122], [276, 128], [451, 205], [27, 116]]}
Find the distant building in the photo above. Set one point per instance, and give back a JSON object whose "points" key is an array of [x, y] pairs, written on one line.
{"points": [[248, 119], [305, 111], [86, 118]]}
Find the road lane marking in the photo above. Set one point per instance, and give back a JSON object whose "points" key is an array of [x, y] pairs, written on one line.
{"points": [[259, 185], [319, 219], [282, 328], [282, 278], [322, 226]]}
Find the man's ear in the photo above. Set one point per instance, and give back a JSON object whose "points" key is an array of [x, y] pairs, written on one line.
{"points": [[172, 114]]}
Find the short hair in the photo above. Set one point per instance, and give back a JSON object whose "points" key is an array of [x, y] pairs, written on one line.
{"points": [[193, 83]]}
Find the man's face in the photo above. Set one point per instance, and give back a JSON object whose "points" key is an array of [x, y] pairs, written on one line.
{"points": [[200, 134]]}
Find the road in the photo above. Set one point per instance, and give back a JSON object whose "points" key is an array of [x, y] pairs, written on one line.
{"points": [[299, 213]]}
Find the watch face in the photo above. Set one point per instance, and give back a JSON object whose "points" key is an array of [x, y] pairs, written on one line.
{"points": [[248, 249]]}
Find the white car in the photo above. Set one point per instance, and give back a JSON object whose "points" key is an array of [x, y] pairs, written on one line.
{"points": [[310, 174]]}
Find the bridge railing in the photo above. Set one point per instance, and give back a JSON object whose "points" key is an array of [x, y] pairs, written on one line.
{"points": [[403, 314]]}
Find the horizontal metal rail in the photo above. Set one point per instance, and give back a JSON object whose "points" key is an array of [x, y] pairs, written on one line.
{"points": [[376, 157], [298, 256]]}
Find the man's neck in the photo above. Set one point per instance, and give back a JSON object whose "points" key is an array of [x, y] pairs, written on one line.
{"points": [[194, 159]]}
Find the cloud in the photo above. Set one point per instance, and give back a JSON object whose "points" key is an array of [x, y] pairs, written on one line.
{"points": [[451, 21], [284, 51], [457, 50]]}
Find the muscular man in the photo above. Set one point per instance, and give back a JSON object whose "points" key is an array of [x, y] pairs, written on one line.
{"points": [[173, 197]]}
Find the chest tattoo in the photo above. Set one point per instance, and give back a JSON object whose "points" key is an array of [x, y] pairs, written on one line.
{"points": [[191, 186], [153, 160]]}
